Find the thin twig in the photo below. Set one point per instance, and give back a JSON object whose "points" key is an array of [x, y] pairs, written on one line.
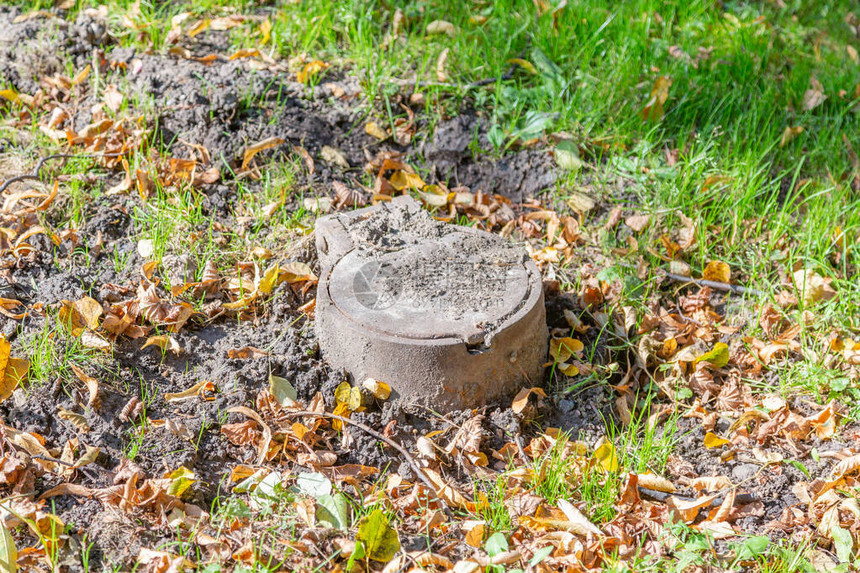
{"points": [[35, 173], [736, 289], [662, 496], [368, 430]]}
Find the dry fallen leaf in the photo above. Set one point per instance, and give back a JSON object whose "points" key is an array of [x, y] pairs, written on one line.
{"points": [[204, 389], [441, 27], [653, 110], [814, 96], [255, 148], [164, 342], [380, 390], [717, 271], [521, 400], [811, 287]]}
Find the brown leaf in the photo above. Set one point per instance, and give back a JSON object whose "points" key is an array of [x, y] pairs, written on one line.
{"points": [[521, 400], [263, 446], [468, 437], [653, 110], [811, 287], [814, 96], [347, 197], [255, 148], [78, 420], [241, 433], [92, 387], [246, 352]]}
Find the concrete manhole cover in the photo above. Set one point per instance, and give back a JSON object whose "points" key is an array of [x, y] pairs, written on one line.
{"points": [[448, 316]]}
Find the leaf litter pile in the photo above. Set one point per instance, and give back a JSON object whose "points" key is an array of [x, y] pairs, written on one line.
{"points": [[164, 404]]}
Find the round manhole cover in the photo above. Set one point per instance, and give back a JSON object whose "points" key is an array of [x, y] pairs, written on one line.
{"points": [[430, 290], [448, 316]]}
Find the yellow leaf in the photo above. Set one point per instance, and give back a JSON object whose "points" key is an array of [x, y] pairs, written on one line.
{"points": [[567, 369], [380, 390], [606, 455], [714, 441], [310, 70], [198, 27], [9, 95], [77, 419], [5, 352], [256, 148], [82, 75], [380, 540], [441, 27], [163, 342], [282, 390], [475, 535], [270, 279], [718, 356], [525, 64], [180, 480], [92, 386], [354, 398], [240, 472], [266, 31], [561, 349], [372, 128], [342, 393], [71, 320], [245, 53], [655, 482], [812, 287], [16, 372], [342, 410], [402, 180], [789, 134], [435, 196], [717, 271], [8, 551], [89, 457]]}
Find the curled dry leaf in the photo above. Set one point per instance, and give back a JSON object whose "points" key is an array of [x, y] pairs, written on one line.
{"points": [[373, 129], [92, 387], [653, 110], [256, 148], [811, 287], [441, 61], [333, 156], [12, 370], [163, 342], [657, 483], [577, 518], [521, 400], [814, 96], [205, 389], [246, 352], [441, 27], [78, 420], [710, 483]]}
